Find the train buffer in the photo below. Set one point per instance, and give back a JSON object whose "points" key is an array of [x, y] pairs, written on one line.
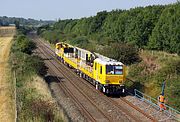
{"points": [[151, 107]]}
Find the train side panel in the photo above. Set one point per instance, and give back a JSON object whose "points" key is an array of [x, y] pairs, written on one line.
{"points": [[71, 61]]}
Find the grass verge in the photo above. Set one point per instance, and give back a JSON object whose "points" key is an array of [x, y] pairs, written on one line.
{"points": [[34, 100], [155, 68]]}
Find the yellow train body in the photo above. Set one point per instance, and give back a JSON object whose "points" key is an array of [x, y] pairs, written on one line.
{"points": [[100, 75], [103, 72]]}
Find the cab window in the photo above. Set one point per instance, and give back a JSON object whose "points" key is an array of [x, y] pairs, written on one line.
{"points": [[100, 69], [116, 70], [109, 69]]}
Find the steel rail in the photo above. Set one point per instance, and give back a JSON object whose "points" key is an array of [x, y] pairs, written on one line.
{"points": [[76, 100]]}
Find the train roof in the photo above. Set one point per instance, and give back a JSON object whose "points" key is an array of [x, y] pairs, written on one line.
{"points": [[83, 50], [106, 61], [64, 44]]}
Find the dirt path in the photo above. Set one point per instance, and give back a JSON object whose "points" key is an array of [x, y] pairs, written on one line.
{"points": [[7, 108]]}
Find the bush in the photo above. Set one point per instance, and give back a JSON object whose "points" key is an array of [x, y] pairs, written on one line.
{"points": [[23, 44], [30, 103], [81, 41], [122, 52]]}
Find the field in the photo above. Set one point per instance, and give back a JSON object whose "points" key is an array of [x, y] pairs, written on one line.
{"points": [[7, 108], [7, 31]]}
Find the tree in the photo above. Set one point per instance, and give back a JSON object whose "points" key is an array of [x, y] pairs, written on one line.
{"points": [[0, 22], [16, 22], [165, 36], [125, 53], [97, 22], [24, 45]]}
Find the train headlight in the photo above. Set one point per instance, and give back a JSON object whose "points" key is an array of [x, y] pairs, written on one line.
{"points": [[107, 81], [120, 81]]}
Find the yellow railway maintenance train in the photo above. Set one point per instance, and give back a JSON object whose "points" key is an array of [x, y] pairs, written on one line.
{"points": [[106, 74]]}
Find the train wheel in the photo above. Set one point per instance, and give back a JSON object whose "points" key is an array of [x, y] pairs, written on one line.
{"points": [[96, 86], [91, 80], [107, 91], [87, 78], [123, 90], [77, 72], [100, 87], [123, 93], [104, 89], [80, 74], [94, 82], [84, 76]]}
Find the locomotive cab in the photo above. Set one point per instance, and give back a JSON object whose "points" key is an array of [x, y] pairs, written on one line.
{"points": [[110, 75]]}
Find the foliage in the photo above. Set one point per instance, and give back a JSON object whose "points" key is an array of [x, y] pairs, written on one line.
{"points": [[152, 27], [16, 24], [80, 41], [122, 52], [167, 70], [165, 35], [21, 49], [23, 44], [98, 20], [30, 103], [5, 21], [25, 29]]}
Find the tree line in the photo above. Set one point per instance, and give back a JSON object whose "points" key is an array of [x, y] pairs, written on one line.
{"points": [[5, 21], [153, 27]]}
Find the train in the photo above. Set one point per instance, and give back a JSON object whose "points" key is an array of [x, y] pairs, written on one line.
{"points": [[106, 74]]}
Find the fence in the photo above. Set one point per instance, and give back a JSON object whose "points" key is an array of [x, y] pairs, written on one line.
{"points": [[169, 113]]}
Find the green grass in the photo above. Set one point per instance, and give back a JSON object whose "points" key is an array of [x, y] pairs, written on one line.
{"points": [[32, 105]]}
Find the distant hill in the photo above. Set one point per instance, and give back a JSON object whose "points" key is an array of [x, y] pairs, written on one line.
{"points": [[4, 21]]}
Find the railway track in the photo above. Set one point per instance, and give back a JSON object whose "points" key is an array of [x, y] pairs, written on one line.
{"points": [[81, 107], [75, 100], [107, 99]]}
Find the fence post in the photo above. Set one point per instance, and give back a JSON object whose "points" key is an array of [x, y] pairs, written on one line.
{"points": [[135, 92]]}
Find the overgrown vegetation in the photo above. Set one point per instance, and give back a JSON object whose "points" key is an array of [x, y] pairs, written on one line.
{"points": [[155, 68], [31, 104], [122, 52]]}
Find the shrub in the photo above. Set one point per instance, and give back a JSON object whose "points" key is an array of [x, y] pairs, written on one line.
{"points": [[122, 52], [23, 44], [81, 41]]}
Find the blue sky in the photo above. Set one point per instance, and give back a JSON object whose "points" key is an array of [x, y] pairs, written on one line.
{"points": [[66, 9]]}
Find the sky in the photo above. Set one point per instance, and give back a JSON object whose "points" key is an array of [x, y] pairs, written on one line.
{"points": [[67, 9]]}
